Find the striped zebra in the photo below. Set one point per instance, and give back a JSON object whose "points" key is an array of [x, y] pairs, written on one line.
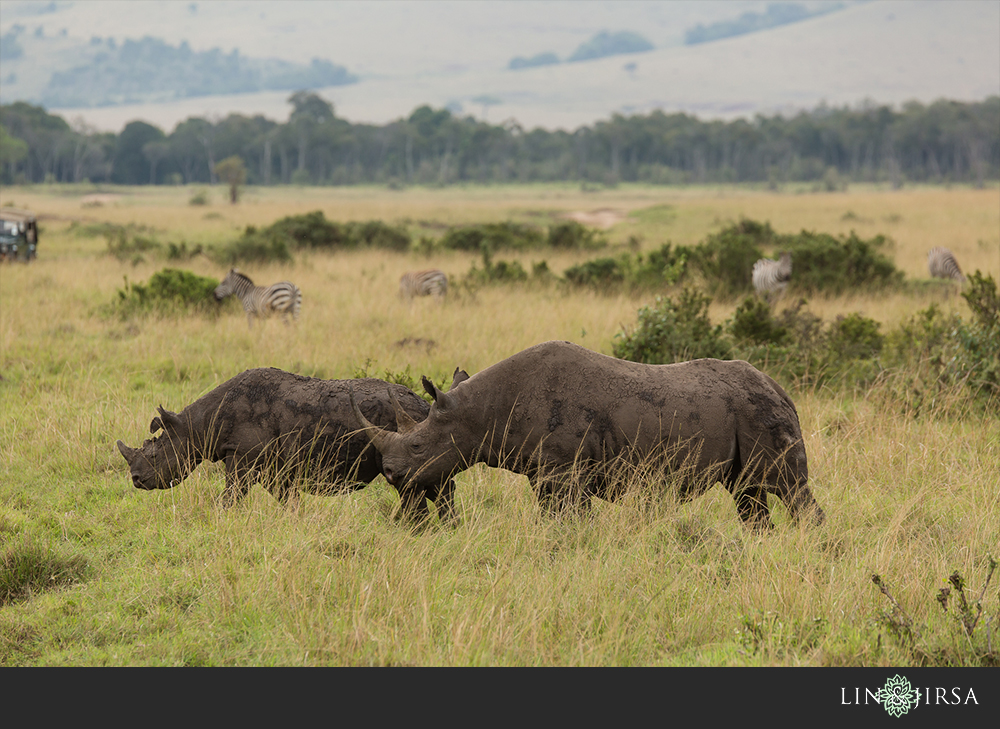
{"points": [[283, 297], [770, 278], [429, 282], [942, 264]]}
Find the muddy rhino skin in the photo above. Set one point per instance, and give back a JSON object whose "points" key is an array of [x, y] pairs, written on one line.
{"points": [[570, 419], [283, 430]]}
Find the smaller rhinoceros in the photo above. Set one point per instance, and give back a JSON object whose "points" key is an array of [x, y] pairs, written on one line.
{"points": [[283, 430]]}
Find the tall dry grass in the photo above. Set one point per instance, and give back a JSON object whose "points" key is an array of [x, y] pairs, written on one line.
{"points": [[122, 577]]}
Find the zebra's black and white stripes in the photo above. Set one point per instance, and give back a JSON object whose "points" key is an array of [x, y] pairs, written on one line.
{"points": [[429, 282], [942, 264], [771, 277], [283, 297]]}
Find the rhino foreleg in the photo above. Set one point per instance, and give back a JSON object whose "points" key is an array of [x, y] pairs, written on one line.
{"points": [[445, 502], [237, 482]]}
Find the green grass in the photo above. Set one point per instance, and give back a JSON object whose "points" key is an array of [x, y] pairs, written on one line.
{"points": [[96, 572]]}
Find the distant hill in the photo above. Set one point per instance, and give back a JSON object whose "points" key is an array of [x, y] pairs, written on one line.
{"points": [[449, 55], [151, 70]]}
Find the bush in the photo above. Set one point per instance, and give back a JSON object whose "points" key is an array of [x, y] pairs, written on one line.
{"points": [[501, 272], [573, 235], [725, 259], [601, 273], [492, 237], [824, 264], [170, 291], [753, 323], [314, 231], [673, 331], [252, 247], [126, 242]]}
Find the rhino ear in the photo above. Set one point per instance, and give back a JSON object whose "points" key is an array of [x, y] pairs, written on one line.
{"points": [[165, 420], [458, 378], [440, 399]]}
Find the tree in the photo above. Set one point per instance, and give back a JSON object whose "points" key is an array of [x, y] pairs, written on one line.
{"points": [[130, 165], [233, 172], [12, 149]]}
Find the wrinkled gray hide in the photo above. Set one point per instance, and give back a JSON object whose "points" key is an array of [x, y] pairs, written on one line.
{"points": [[281, 429], [570, 419]]}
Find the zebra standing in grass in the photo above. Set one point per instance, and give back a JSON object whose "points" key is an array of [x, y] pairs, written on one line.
{"points": [[429, 282], [942, 264], [283, 297], [770, 278]]}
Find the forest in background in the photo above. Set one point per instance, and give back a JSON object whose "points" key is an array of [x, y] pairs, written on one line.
{"points": [[945, 141]]}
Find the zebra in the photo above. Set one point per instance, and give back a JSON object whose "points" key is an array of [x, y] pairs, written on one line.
{"points": [[770, 278], [284, 296], [942, 264], [429, 282]]}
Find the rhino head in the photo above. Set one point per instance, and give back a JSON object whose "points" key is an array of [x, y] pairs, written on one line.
{"points": [[163, 462], [418, 457]]}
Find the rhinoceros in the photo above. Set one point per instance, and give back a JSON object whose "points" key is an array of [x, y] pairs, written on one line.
{"points": [[283, 430], [570, 419]]}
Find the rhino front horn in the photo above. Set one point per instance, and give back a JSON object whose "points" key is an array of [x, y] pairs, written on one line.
{"points": [[127, 453], [404, 423], [378, 436]]}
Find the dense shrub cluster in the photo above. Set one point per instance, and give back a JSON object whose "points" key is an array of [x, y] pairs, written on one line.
{"points": [[567, 235], [169, 291], [930, 355]]}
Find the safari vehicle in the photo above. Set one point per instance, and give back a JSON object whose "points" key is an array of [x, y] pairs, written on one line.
{"points": [[18, 234]]}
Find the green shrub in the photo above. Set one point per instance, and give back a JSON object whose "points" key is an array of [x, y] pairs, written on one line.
{"points": [[573, 235], [725, 259], [673, 331], [753, 323], [939, 351], [200, 197], [500, 272], [170, 291], [492, 237], [601, 273], [252, 247], [309, 230], [824, 264], [128, 242], [376, 234]]}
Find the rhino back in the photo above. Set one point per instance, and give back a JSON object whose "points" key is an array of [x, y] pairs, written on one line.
{"points": [[266, 405], [582, 402]]}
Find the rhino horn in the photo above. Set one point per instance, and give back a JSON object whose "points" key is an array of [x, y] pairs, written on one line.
{"points": [[404, 423], [127, 453], [378, 436]]}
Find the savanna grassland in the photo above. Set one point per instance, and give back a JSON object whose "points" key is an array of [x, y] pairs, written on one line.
{"points": [[96, 572]]}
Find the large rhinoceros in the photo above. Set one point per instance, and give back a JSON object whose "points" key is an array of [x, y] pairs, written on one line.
{"points": [[573, 421], [284, 430]]}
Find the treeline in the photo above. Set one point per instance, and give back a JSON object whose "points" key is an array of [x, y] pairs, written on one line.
{"points": [[946, 141]]}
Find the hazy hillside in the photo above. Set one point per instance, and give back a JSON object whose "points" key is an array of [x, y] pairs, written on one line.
{"points": [[456, 55]]}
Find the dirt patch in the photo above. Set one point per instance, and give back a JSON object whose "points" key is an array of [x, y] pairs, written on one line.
{"points": [[602, 218], [97, 199]]}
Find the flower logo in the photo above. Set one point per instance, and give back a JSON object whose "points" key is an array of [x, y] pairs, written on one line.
{"points": [[897, 696]]}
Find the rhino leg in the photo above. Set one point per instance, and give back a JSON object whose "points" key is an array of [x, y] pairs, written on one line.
{"points": [[413, 505], [237, 483], [751, 505], [445, 502]]}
